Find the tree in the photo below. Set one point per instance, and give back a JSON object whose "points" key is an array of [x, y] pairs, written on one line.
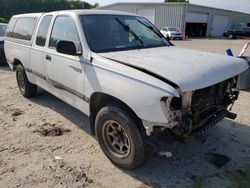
{"points": [[9, 8], [3, 20]]}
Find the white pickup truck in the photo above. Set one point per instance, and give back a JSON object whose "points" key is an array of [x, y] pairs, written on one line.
{"points": [[118, 69]]}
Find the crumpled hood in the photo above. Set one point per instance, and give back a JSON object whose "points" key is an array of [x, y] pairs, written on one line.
{"points": [[189, 69]]}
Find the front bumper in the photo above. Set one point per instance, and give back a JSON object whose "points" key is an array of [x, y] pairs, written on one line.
{"points": [[176, 37], [197, 110]]}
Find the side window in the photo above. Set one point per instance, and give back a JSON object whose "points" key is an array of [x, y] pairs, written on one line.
{"points": [[10, 28], [43, 31], [24, 28], [2, 30], [64, 29]]}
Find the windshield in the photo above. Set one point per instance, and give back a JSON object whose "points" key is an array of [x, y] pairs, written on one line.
{"points": [[2, 30], [107, 33], [172, 29]]}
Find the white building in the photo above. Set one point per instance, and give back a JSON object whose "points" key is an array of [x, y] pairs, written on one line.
{"points": [[194, 20]]}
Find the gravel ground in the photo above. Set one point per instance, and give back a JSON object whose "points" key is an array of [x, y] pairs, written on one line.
{"points": [[47, 143]]}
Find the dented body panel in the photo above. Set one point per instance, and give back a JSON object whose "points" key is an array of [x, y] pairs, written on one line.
{"points": [[189, 69]]}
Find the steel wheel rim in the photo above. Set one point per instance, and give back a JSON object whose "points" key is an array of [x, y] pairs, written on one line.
{"points": [[21, 83], [116, 139]]}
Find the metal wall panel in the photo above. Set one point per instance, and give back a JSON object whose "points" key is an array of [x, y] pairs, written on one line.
{"points": [[174, 14], [196, 17], [238, 19], [170, 15], [120, 7], [148, 13], [220, 24]]}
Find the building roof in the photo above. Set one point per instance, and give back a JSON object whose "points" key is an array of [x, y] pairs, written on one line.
{"points": [[170, 3]]}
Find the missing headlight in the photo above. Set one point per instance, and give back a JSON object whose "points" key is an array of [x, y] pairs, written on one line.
{"points": [[172, 108]]}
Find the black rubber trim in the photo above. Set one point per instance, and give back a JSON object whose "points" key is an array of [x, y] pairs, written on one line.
{"points": [[58, 85]]}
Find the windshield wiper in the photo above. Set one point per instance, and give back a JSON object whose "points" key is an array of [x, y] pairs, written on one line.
{"points": [[127, 28], [156, 32]]}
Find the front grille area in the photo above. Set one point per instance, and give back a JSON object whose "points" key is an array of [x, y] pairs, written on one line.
{"points": [[208, 102]]}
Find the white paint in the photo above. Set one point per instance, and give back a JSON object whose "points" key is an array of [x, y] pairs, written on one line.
{"points": [[220, 24], [189, 69]]}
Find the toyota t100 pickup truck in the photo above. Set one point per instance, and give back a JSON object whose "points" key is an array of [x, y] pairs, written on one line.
{"points": [[119, 69]]}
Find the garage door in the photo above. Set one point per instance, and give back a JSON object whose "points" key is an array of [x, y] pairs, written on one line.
{"points": [[220, 24], [148, 13], [196, 17]]}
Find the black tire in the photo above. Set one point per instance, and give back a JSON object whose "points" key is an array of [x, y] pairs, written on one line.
{"points": [[136, 152], [27, 89]]}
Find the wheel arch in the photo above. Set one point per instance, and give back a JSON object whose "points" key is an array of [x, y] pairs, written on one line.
{"points": [[15, 63], [98, 100]]}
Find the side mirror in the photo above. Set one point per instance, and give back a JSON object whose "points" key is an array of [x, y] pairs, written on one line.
{"points": [[67, 47]]}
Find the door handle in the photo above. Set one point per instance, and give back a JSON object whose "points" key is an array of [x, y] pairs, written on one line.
{"points": [[48, 57]]}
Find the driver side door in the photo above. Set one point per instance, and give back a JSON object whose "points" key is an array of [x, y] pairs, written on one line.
{"points": [[65, 72]]}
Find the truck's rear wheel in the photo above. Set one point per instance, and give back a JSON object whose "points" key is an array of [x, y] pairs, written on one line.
{"points": [[119, 137], [26, 88]]}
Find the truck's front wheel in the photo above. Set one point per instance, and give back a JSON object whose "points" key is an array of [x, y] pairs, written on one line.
{"points": [[119, 137], [27, 89]]}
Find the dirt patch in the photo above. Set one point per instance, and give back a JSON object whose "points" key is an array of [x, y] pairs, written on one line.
{"points": [[75, 175], [16, 112], [48, 129]]}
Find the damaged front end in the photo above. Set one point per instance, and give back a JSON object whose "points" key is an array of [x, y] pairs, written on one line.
{"points": [[196, 111], [210, 105]]}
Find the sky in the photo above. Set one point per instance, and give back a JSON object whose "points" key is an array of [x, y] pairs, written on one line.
{"points": [[237, 5]]}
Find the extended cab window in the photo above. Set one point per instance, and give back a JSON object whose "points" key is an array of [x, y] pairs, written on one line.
{"points": [[2, 30], [43, 31], [24, 28], [10, 28], [64, 29]]}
